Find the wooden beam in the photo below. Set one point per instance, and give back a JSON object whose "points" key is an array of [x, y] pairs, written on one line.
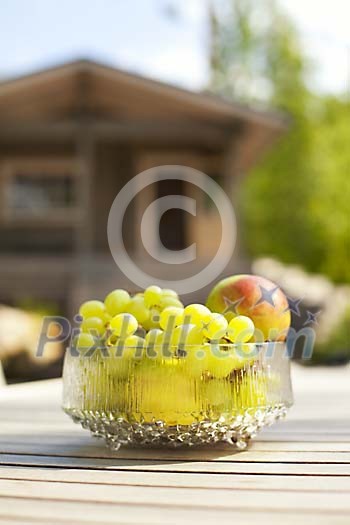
{"points": [[137, 131], [85, 159], [204, 104]]}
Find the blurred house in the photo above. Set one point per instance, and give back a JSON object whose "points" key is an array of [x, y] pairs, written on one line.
{"points": [[71, 137]]}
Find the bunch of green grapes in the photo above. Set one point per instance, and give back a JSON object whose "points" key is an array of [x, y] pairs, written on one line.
{"points": [[148, 351], [204, 339], [121, 322], [156, 325]]}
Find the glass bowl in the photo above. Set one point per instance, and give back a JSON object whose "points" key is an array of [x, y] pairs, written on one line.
{"points": [[193, 396]]}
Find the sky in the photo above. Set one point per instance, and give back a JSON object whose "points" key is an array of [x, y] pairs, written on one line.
{"points": [[150, 38], [325, 35]]}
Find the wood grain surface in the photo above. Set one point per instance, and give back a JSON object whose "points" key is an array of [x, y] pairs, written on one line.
{"points": [[298, 471]]}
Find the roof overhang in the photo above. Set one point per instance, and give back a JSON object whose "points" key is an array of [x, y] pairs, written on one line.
{"points": [[87, 86]]}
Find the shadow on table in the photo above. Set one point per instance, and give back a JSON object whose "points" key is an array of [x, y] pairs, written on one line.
{"points": [[81, 447]]}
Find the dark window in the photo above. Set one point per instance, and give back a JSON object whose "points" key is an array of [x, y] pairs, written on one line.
{"points": [[35, 194]]}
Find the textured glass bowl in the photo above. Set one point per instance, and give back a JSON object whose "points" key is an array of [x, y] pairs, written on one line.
{"points": [[171, 401]]}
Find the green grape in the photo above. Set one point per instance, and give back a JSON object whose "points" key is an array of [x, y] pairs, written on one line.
{"points": [[157, 344], [178, 336], [84, 341], [170, 317], [124, 354], [112, 340], [153, 341], [194, 335], [217, 394], [252, 390], [152, 296], [123, 325], [165, 394], [215, 328], [134, 341], [195, 361], [93, 325], [106, 318], [245, 354], [153, 336], [169, 300], [148, 385], [138, 309], [166, 292], [240, 329], [130, 348], [152, 321], [93, 309], [117, 301], [159, 338], [122, 362], [197, 314], [186, 334], [220, 362]]}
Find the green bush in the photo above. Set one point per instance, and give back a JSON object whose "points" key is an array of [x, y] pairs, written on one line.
{"points": [[336, 350]]}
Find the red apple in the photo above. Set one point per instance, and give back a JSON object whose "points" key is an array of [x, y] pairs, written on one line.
{"points": [[256, 297]]}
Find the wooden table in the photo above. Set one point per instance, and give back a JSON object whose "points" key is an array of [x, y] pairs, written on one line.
{"points": [[297, 471]]}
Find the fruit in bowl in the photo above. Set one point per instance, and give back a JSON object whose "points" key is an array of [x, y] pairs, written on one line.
{"points": [[256, 297], [147, 370]]}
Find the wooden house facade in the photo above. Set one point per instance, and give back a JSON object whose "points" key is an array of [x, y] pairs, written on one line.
{"points": [[71, 137]]}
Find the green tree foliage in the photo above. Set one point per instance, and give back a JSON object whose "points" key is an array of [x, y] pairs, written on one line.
{"points": [[330, 206], [336, 348], [295, 203]]}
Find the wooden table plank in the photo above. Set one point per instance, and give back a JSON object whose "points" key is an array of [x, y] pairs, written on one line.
{"points": [[83, 512], [138, 465], [255, 455], [240, 481], [165, 496]]}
